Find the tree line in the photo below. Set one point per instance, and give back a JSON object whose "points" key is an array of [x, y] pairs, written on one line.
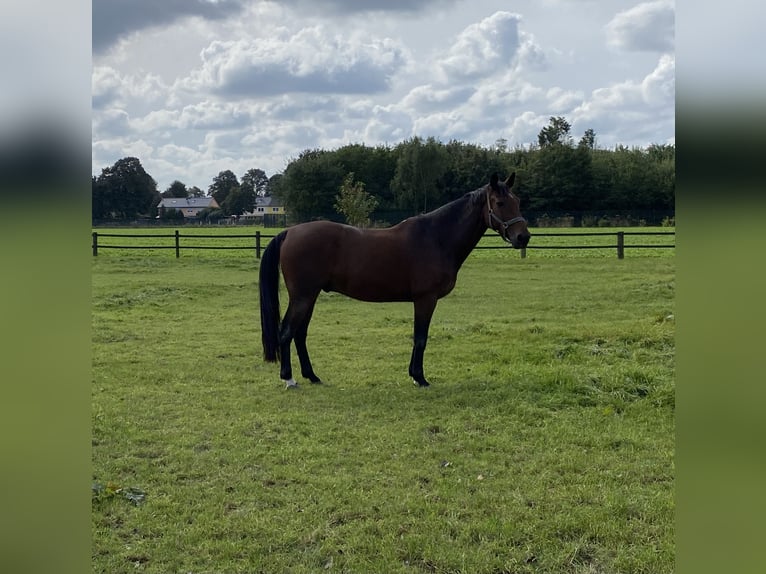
{"points": [[125, 191], [556, 175]]}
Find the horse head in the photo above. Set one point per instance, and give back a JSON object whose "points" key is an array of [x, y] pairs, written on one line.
{"points": [[504, 213]]}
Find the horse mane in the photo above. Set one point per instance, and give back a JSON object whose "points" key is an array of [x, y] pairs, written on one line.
{"points": [[472, 198]]}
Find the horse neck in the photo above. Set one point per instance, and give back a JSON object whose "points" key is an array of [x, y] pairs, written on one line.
{"points": [[464, 225]]}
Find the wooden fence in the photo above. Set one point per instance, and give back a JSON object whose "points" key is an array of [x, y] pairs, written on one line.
{"points": [[260, 240]]}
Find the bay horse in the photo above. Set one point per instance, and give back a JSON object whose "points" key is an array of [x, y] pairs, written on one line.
{"points": [[416, 260]]}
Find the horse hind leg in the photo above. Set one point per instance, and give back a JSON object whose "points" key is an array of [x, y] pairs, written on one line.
{"points": [[285, 339], [295, 328], [307, 371]]}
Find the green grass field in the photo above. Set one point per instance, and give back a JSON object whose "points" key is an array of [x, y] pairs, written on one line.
{"points": [[545, 443]]}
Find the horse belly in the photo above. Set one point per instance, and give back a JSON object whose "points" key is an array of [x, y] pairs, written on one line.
{"points": [[376, 278]]}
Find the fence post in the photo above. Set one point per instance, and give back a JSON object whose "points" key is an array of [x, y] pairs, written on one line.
{"points": [[178, 247], [620, 245], [257, 244], [523, 252], [95, 244]]}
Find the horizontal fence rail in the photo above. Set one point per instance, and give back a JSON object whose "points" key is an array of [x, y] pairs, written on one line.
{"points": [[258, 241]]}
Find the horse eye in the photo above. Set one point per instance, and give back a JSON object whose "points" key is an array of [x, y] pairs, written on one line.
{"points": [[500, 203]]}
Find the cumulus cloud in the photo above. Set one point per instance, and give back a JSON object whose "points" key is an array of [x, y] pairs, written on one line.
{"points": [[311, 60], [432, 98], [483, 48], [659, 87], [204, 115], [110, 88], [116, 19], [561, 100], [647, 27], [491, 47], [642, 108]]}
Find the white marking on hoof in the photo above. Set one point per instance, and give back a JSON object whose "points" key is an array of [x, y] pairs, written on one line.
{"points": [[291, 384]]}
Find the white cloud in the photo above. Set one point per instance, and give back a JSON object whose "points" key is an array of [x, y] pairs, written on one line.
{"points": [[648, 27], [659, 87], [561, 100], [483, 48], [643, 108], [431, 98], [110, 88], [313, 60]]}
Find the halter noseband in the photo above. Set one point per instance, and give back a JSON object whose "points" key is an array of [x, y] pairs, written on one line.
{"points": [[503, 224]]}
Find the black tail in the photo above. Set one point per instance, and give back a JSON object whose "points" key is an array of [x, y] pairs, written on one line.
{"points": [[269, 291]]}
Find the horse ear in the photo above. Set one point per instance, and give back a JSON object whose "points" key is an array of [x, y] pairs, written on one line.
{"points": [[493, 181], [510, 180]]}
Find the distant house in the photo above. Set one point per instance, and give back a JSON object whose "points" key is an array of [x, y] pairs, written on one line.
{"points": [[189, 206], [264, 206]]}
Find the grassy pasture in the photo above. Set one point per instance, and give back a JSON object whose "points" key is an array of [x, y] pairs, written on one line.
{"points": [[545, 443]]}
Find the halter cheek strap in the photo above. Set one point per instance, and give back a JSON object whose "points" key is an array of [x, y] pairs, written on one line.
{"points": [[504, 225]]}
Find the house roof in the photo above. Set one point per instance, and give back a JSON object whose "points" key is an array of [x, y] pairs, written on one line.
{"points": [[267, 201], [188, 202]]}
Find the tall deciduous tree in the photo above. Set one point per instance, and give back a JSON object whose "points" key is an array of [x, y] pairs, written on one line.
{"points": [[176, 189], [556, 132], [222, 185], [124, 191], [560, 178], [239, 200], [256, 182], [418, 169], [588, 139], [309, 185], [354, 203]]}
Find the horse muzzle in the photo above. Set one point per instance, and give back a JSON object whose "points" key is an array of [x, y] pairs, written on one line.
{"points": [[516, 240]]}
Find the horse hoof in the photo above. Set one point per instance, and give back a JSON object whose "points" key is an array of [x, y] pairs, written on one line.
{"points": [[422, 383], [291, 384]]}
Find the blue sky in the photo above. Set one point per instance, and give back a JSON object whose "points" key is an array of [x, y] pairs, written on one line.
{"points": [[193, 87]]}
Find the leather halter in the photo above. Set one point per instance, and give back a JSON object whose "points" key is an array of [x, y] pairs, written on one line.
{"points": [[503, 224]]}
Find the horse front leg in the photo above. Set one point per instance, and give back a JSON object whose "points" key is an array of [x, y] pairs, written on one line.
{"points": [[424, 310]]}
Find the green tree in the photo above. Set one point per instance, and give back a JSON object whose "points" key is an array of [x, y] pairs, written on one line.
{"points": [[274, 183], [556, 132], [560, 179], [239, 200], [309, 185], [354, 203], [222, 185], [419, 167], [588, 140], [373, 165], [101, 199], [469, 166], [176, 189], [125, 191], [195, 191], [256, 182]]}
